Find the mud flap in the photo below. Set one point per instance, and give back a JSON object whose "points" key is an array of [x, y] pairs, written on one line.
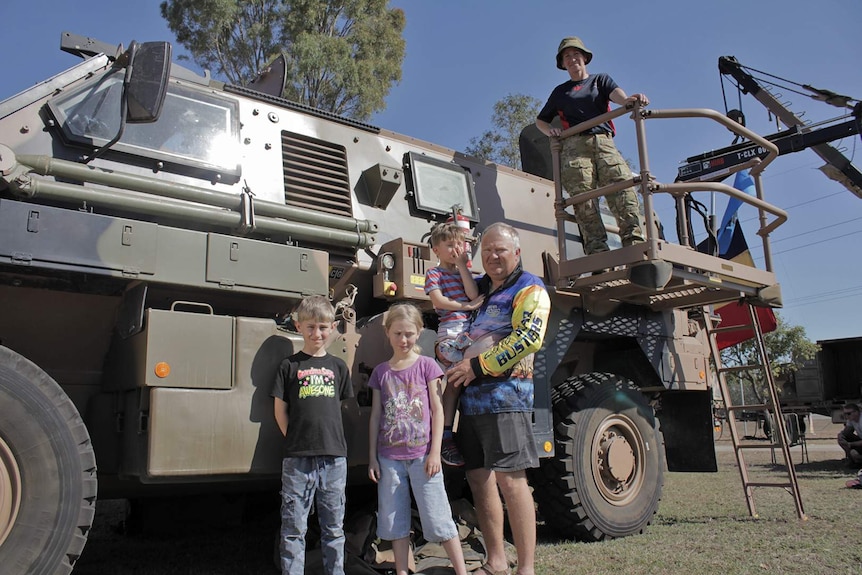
{"points": [[686, 420]]}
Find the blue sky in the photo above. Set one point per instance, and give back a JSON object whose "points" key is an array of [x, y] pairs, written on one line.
{"points": [[463, 56]]}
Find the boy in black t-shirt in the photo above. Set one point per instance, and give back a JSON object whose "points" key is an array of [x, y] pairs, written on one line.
{"points": [[308, 391]]}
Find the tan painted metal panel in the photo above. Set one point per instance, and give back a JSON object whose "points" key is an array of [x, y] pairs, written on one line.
{"points": [[198, 347], [223, 432]]}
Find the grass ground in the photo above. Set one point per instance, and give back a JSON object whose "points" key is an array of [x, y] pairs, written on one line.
{"points": [[702, 528]]}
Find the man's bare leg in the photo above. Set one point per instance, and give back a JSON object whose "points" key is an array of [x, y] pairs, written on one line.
{"points": [[489, 510], [522, 517]]}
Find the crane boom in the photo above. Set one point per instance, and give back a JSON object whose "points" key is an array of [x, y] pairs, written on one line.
{"points": [[716, 164]]}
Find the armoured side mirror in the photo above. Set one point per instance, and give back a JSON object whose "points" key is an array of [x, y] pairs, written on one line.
{"points": [[150, 68], [145, 86]]}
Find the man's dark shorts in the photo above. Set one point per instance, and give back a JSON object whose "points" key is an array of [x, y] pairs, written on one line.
{"points": [[497, 441]]}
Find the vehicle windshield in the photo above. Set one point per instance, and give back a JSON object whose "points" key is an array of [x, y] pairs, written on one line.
{"points": [[195, 127]]}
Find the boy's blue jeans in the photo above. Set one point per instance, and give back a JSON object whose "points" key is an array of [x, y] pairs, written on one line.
{"points": [[305, 479]]}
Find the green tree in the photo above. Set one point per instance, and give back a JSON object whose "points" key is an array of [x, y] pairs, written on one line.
{"points": [[500, 144], [342, 56], [787, 347]]}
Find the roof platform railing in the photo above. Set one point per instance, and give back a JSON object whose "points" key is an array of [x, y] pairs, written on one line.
{"points": [[657, 273]]}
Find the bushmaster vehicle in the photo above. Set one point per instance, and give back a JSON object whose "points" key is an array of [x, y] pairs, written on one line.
{"points": [[157, 227]]}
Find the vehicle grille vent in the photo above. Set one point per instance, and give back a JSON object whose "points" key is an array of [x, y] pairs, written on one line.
{"points": [[315, 175]]}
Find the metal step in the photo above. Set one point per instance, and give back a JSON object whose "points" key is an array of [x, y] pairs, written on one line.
{"points": [[750, 407], [741, 368], [730, 328], [757, 446]]}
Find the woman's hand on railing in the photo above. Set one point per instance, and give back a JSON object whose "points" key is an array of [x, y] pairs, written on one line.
{"points": [[642, 98], [547, 129]]}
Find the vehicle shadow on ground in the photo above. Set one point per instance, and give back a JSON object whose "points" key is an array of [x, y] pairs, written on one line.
{"points": [[813, 469]]}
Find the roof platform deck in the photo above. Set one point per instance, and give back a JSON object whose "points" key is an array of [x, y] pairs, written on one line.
{"points": [[665, 276]]}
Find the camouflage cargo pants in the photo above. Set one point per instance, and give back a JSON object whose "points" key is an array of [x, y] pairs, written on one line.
{"points": [[590, 162]]}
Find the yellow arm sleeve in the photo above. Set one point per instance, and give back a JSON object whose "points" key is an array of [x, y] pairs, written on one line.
{"points": [[530, 312]]}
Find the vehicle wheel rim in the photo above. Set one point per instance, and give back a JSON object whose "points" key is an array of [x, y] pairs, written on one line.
{"points": [[10, 490], [618, 455]]}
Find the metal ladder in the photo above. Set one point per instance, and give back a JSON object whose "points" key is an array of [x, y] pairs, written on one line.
{"points": [[771, 406]]}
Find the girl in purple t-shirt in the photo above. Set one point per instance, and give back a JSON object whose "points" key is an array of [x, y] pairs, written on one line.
{"points": [[404, 438]]}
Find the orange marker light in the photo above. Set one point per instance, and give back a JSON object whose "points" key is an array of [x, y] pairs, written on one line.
{"points": [[162, 369], [548, 447]]}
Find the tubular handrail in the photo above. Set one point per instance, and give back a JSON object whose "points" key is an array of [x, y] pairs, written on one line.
{"points": [[685, 187], [139, 202], [598, 120], [731, 125], [646, 184], [48, 166]]}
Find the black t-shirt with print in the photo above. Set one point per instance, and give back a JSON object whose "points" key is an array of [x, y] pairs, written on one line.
{"points": [[313, 388], [576, 102]]}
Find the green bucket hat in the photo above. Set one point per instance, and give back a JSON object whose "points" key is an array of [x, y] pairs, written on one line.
{"points": [[572, 42]]}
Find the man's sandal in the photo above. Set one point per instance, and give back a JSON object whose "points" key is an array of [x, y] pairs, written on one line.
{"points": [[485, 570]]}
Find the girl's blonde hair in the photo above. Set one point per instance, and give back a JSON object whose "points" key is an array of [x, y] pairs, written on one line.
{"points": [[408, 312]]}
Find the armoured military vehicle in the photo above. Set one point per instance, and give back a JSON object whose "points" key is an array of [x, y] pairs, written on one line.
{"points": [[156, 229]]}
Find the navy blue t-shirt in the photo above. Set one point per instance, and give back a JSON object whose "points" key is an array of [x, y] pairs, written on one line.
{"points": [[576, 102]]}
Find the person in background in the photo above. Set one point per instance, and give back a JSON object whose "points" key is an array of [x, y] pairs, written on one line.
{"points": [[590, 160], [309, 388], [454, 294], [850, 438], [495, 432], [404, 437]]}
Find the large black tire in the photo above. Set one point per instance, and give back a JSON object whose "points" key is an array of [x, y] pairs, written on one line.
{"points": [[606, 477], [47, 472]]}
